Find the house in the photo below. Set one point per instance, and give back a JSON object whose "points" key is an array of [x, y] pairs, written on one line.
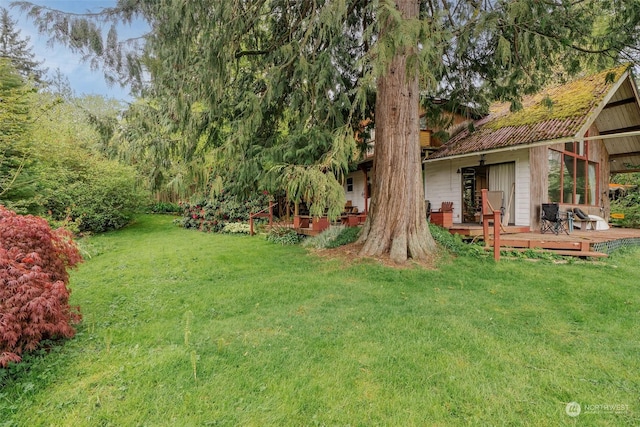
{"points": [[562, 146], [357, 185]]}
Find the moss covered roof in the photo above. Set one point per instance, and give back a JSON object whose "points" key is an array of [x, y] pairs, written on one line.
{"points": [[553, 113]]}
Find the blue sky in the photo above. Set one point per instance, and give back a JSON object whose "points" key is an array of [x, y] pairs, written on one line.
{"points": [[83, 80]]}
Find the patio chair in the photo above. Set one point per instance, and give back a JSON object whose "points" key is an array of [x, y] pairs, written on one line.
{"points": [[551, 219], [444, 207], [582, 220], [443, 216]]}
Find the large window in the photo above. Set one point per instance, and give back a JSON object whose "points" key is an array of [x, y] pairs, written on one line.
{"points": [[572, 177]]}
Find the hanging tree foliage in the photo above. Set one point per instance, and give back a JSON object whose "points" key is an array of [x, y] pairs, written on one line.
{"points": [[276, 88]]}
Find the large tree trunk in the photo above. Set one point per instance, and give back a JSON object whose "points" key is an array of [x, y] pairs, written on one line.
{"points": [[397, 221]]}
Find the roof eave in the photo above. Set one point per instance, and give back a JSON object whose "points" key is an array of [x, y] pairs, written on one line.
{"points": [[605, 100], [504, 149]]}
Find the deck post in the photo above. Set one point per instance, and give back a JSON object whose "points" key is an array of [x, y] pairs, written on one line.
{"points": [[496, 235], [251, 224], [487, 213], [366, 191], [270, 214]]}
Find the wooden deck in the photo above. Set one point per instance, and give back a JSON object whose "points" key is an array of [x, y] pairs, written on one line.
{"points": [[475, 230], [307, 231], [588, 243]]}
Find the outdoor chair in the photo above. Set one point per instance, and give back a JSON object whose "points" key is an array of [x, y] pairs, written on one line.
{"points": [[551, 219], [444, 207], [583, 221], [443, 216]]}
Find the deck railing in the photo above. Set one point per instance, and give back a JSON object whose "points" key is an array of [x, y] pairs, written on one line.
{"points": [[262, 214]]}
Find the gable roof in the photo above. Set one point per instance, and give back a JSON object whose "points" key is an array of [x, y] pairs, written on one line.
{"points": [[552, 115]]}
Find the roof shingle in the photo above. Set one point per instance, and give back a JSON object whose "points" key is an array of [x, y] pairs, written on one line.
{"points": [[553, 113]]}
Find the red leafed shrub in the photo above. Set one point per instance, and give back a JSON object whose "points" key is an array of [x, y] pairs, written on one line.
{"points": [[34, 298]]}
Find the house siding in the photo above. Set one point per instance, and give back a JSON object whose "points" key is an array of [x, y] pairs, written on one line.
{"points": [[444, 184], [357, 194], [539, 175], [522, 180]]}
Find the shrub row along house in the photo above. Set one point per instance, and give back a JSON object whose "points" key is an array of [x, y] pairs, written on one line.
{"points": [[561, 146]]}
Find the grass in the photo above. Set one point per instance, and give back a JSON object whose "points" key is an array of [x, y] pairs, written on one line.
{"points": [[186, 328]]}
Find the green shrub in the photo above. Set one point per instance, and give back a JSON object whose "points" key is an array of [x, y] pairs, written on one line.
{"points": [[164, 208], [628, 205], [346, 236], [56, 162], [103, 196], [454, 243], [236, 228], [532, 254], [68, 224], [322, 240], [333, 237], [283, 235], [214, 214]]}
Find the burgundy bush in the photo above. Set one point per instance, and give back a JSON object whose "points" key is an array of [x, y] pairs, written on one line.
{"points": [[34, 298]]}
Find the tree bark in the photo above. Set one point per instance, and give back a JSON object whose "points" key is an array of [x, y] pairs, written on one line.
{"points": [[397, 221]]}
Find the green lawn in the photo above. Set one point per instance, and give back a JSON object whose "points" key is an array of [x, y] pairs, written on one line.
{"points": [[192, 329]]}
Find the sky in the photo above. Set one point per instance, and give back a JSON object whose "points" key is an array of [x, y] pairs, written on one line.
{"points": [[83, 80]]}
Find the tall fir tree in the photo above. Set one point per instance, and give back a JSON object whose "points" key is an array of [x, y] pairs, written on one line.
{"points": [[278, 87], [18, 49]]}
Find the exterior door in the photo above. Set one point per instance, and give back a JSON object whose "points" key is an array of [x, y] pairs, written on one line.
{"points": [[474, 179], [499, 177]]}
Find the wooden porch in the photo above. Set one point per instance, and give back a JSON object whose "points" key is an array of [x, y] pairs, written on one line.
{"points": [[471, 230], [581, 243]]}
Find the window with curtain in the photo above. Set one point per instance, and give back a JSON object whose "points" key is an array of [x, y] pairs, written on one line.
{"points": [[502, 177], [572, 177]]}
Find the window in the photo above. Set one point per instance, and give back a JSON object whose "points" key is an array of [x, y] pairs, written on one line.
{"points": [[578, 148], [572, 177], [423, 122], [349, 185]]}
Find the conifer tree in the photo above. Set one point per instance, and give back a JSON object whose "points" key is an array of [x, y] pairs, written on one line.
{"points": [[278, 87], [17, 49]]}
